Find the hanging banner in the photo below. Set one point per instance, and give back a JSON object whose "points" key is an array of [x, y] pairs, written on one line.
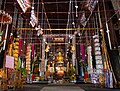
{"points": [[32, 47], [20, 46], [16, 51], [28, 59], [24, 4], [9, 62], [90, 66], [82, 48], [83, 19], [33, 18], [98, 55]]}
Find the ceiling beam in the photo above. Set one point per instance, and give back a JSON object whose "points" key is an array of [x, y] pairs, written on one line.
{"points": [[57, 29]]}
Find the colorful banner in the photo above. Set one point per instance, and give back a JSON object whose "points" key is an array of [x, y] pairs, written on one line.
{"points": [[82, 48]]}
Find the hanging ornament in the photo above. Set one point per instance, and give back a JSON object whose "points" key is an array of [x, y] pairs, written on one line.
{"points": [[91, 4], [98, 55], [47, 49], [72, 49], [83, 19], [33, 18], [16, 51], [76, 10], [40, 32], [90, 66], [28, 58]]}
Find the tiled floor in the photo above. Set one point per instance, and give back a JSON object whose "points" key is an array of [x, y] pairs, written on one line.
{"points": [[62, 88]]}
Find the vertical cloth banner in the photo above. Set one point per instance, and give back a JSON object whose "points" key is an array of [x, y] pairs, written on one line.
{"points": [[24, 4], [20, 46], [16, 51], [82, 48], [90, 66], [98, 55], [32, 47], [107, 80]]}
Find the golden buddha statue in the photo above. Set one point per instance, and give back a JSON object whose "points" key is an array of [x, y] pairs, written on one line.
{"points": [[59, 57]]}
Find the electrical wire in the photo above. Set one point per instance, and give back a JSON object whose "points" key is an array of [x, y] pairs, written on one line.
{"points": [[43, 6]]}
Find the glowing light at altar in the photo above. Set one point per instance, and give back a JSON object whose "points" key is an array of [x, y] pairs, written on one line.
{"points": [[60, 57]]}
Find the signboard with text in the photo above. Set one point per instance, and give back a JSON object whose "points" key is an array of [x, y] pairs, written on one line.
{"points": [[9, 62]]}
